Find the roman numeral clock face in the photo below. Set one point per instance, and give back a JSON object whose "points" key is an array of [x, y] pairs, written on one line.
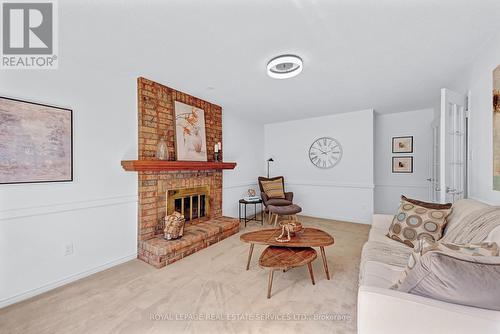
{"points": [[325, 152]]}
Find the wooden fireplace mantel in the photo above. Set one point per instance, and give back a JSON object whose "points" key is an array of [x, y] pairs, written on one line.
{"points": [[159, 165]]}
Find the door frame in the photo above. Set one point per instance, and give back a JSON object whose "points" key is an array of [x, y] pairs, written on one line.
{"points": [[442, 139]]}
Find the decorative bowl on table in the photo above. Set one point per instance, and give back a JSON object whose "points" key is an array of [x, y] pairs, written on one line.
{"points": [[292, 226]]}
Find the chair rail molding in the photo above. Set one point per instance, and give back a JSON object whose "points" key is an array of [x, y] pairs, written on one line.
{"points": [[402, 185], [64, 207], [247, 183], [329, 184]]}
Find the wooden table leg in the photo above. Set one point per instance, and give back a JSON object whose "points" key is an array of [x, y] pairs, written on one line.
{"points": [[325, 263], [309, 266], [270, 283], [250, 251]]}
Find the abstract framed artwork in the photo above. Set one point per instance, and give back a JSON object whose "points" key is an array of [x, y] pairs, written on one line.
{"points": [[190, 138], [402, 144], [496, 128], [402, 164], [36, 142]]}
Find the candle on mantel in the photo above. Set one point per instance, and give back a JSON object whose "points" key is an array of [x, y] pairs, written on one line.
{"points": [[220, 145], [216, 148]]}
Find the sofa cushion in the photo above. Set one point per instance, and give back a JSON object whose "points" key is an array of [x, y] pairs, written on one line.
{"points": [[474, 227], [413, 222], [461, 274], [273, 188], [390, 254], [378, 275], [380, 221], [461, 209], [494, 235]]}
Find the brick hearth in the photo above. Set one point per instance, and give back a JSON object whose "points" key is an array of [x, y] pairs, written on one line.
{"points": [[160, 252], [155, 115]]}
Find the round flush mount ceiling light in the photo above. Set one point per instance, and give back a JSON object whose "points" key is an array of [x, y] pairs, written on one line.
{"points": [[284, 67]]}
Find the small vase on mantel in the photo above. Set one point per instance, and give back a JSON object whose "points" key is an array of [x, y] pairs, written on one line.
{"points": [[162, 149]]}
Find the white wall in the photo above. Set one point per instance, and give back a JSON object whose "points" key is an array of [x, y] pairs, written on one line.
{"points": [[243, 142], [344, 192], [97, 212], [390, 186], [480, 83]]}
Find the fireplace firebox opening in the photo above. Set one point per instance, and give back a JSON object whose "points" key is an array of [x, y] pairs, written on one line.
{"points": [[193, 203]]}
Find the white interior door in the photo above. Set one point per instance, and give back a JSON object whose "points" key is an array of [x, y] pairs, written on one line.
{"points": [[452, 147], [434, 179]]}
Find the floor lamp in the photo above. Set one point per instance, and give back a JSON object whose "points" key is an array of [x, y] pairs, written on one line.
{"points": [[268, 162]]}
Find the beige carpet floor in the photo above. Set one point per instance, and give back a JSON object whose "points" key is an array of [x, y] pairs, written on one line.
{"points": [[213, 283]]}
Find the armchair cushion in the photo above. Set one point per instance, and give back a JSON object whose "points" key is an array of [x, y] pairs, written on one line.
{"points": [[278, 202], [273, 189], [262, 178]]}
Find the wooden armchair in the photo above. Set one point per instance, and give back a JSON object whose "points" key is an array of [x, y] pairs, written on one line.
{"points": [[288, 200]]}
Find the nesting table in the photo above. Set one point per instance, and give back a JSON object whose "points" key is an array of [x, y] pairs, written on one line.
{"points": [[276, 258], [308, 237]]}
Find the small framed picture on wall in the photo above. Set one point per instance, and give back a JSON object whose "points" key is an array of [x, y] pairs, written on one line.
{"points": [[402, 144], [402, 164]]}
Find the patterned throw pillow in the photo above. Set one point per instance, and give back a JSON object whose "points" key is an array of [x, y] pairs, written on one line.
{"points": [[425, 245], [427, 205], [413, 222], [274, 188]]}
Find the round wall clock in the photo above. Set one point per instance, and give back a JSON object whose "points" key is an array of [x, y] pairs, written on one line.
{"points": [[325, 152]]}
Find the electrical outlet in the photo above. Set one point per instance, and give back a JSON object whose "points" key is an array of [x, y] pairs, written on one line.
{"points": [[69, 249]]}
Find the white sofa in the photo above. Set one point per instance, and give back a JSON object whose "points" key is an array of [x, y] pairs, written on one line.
{"points": [[385, 311]]}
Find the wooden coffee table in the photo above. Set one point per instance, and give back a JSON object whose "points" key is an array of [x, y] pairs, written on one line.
{"points": [[308, 237], [284, 258]]}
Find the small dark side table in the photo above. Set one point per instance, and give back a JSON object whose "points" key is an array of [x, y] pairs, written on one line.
{"points": [[254, 217]]}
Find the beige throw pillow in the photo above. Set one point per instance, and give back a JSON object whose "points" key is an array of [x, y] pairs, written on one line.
{"points": [[459, 274], [425, 245], [414, 222], [274, 188]]}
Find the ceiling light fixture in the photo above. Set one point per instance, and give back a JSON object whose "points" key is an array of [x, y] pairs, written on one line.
{"points": [[284, 67]]}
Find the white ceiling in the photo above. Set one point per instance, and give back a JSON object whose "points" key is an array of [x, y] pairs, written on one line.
{"points": [[387, 55]]}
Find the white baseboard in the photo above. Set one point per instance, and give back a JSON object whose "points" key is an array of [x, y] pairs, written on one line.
{"points": [[50, 286]]}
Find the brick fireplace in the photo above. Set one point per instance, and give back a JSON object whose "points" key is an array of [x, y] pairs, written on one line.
{"points": [[193, 188]]}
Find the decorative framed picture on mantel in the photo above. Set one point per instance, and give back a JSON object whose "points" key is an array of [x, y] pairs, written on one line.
{"points": [[402, 164], [402, 144], [190, 134], [36, 142]]}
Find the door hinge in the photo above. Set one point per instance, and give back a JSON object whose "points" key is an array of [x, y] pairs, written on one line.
{"points": [[467, 104]]}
